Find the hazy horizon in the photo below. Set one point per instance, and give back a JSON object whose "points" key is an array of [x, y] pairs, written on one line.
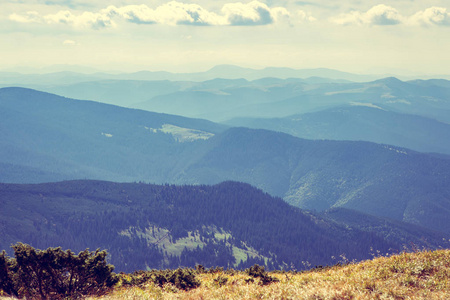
{"points": [[84, 69], [397, 37]]}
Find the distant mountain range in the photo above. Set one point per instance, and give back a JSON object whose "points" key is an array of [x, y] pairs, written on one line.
{"points": [[224, 99], [46, 138], [228, 92], [165, 226], [220, 71], [360, 122], [281, 99]]}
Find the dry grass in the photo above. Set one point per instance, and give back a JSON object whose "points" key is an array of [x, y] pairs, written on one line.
{"points": [[420, 275]]}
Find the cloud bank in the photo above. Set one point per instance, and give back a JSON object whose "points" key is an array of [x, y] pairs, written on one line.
{"points": [[254, 13], [87, 20], [172, 13], [386, 15]]}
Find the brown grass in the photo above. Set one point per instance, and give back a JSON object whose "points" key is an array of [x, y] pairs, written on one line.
{"points": [[420, 275]]}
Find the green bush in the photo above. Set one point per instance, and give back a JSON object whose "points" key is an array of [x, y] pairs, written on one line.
{"points": [[259, 272], [55, 273], [6, 275], [183, 279]]}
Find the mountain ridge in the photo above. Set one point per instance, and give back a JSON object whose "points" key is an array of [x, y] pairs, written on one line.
{"points": [[360, 122], [219, 71], [81, 139]]}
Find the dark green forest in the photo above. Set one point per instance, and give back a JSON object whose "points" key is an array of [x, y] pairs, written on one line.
{"points": [[229, 225]]}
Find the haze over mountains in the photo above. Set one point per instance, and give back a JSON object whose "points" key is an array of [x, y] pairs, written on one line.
{"points": [[220, 71], [411, 114], [372, 156], [59, 138], [272, 98], [222, 99], [359, 122]]}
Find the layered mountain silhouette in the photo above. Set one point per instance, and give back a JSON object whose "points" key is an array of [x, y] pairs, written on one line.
{"points": [[63, 76], [227, 92], [359, 122], [269, 98], [46, 138]]}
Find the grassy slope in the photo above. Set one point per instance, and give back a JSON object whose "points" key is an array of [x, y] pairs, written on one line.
{"points": [[420, 275]]}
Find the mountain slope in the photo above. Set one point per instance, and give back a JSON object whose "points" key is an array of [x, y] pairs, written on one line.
{"points": [[412, 236], [221, 99], [117, 92], [428, 100], [378, 179], [81, 139], [281, 99], [360, 122], [216, 99], [143, 225]]}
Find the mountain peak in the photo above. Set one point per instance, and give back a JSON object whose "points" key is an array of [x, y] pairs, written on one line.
{"points": [[390, 81]]}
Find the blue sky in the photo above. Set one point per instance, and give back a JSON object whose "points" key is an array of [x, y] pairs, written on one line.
{"points": [[397, 36]]}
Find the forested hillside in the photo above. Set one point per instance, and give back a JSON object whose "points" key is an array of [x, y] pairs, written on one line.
{"points": [[377, 179], [159, 226], [360, 122]]}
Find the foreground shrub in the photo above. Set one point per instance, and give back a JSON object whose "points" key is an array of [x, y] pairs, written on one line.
{"points": [[6, 280], [259, 272], [183, 279], [55, 273]]}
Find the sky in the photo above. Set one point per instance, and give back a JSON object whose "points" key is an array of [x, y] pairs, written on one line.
{"points": [[369, 37]]}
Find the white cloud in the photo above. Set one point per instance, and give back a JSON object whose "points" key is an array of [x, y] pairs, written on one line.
{"points": [[280, 14], [253, 13], [140, 14], [378, 15], [171, 13], [432, 16], [236, 13], [383, 15], [386, 15], [181, 13], [86, 20], [93, 20], [61, 17]]}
